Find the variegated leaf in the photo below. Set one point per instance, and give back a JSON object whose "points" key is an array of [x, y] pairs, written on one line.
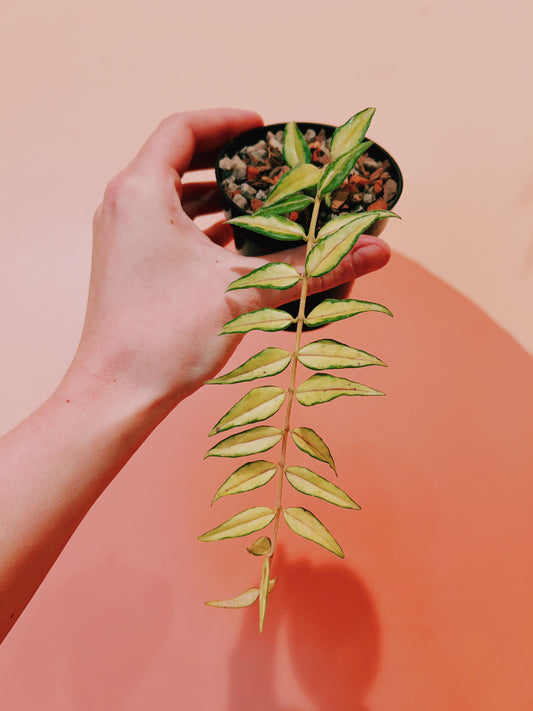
{"points": [[252, 441], [274, 226], [241, 524], [275, 275], [330, 250], [257, 405], [260, 320], [331, 310], [301, 177], [309, 442], [322, 387], [307, 482], [245, 599], [336, 171], [328, 354], [295, 148], [306, 524], [351, 133], [262, 546], [263, 592], [293, 203], [246, 478], [341, 220], [270, 361]]}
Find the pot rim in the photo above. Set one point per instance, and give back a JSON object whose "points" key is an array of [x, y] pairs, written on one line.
{"points": [[253, 135]]}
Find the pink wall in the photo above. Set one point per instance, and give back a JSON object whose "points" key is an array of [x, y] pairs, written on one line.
{"points": [[432, 607]]}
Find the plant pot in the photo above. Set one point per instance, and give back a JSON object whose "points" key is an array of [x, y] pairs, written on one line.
{"points": [[252, 244]]}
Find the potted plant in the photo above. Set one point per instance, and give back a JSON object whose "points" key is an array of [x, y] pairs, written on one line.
{"points": [[322, 172]]}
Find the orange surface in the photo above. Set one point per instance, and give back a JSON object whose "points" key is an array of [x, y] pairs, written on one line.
{"points": [[431, 608]]}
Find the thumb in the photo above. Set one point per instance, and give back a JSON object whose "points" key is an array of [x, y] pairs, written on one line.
{"points": [[369, 254]]}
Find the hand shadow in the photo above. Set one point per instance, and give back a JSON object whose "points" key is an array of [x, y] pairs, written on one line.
{"points": [[332, 639]]}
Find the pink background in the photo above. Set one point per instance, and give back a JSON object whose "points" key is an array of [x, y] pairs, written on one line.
{"points": [[432, 607]]}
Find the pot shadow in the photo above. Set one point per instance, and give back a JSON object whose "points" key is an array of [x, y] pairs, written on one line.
{"points": [[325, 618]]}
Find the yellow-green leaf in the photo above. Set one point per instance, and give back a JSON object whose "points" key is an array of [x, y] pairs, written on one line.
{"points": [[306, 524], [274, 226], [347, 136], [261, 546], [301, 177], [257, 405], [270, 361], [336, 309], [275, 275], [329, 251], [295, 148], [328, 354], [307, 482], [254, 440], [263, 592], [249, 476], [336, 171], [293, 203], [260, 320], [241, 524], [309, 442], [245, 599], [341, 220], [322, 387]]}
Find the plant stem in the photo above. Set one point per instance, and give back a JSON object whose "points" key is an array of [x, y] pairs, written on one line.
{"points": [[292, 382]]}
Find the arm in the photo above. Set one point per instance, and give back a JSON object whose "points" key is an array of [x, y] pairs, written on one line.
{"points": [[156, 303]]}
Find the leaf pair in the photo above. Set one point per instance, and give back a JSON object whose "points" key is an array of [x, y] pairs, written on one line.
{"points": [[300, 520]]}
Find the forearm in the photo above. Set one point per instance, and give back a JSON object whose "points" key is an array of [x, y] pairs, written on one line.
{"points": [[53, 467]]}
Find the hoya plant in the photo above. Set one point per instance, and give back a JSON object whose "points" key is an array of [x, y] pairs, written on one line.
{"points": [[303, 185]]}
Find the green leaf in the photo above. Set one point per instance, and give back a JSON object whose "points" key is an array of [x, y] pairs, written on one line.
{"points": [[306, 524], [309, 442], [254, 440], [295, 148], [330, 250], [274, 226], [270, 361], [260, 320], [249, 476], [341, 220], [331, 310], [241, 524], [347, 136], [336, 171], [261, 546], [322, 387], [257, 405], [275, 275], [245, 599], [263, 592], [293, 203], [328, 354], [307, 482], [299, 178]]}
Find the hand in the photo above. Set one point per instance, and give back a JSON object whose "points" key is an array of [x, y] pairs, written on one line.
{"points": [[157, 294], [156, 303]]}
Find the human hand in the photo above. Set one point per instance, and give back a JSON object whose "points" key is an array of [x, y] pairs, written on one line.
{"points": [[157, 294]]}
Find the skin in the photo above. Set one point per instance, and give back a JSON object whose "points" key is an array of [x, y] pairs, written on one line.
{"points": [[156, 303]]}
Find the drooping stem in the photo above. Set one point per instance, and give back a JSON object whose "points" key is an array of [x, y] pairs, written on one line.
{"points": [[292, 380]]}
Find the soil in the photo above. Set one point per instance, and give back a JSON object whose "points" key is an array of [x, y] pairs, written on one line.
{"points": [[251, 174]]}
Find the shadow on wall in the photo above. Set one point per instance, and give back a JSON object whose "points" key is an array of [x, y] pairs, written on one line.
{"points": [[333, 638]]}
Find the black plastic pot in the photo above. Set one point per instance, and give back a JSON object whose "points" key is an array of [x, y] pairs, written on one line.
{"points": [[253, 244]]}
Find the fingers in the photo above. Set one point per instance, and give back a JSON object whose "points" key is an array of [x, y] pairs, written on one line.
{"points": [[194, 134]]}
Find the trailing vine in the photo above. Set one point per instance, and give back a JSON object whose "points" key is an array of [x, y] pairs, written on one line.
{"points": [[303, 185]]}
